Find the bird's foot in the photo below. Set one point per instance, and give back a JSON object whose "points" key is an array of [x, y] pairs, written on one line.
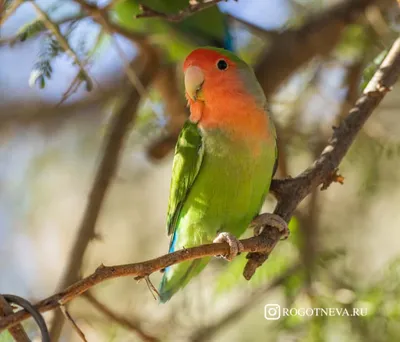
{"points": [[235, 246], [270, 220]]}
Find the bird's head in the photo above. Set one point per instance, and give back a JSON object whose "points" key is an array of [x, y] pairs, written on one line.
{"points": [[221, 89], [216, 77], [210, 69]]}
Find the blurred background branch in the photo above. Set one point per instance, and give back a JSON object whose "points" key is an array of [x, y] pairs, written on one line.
{"points": [[114, 141]]}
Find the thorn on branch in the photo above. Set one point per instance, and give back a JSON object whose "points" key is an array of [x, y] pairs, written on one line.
{"points": [[73, 323], [335, 177], [156, 295]]}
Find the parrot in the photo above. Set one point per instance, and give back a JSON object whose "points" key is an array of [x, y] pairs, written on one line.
{"points": [[207, 27], [225, 158]]}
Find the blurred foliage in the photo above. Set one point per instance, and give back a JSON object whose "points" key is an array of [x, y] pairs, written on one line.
{"points": [[30, 30], [371, 68], [6, 337], [42, 69], [177, 39]]}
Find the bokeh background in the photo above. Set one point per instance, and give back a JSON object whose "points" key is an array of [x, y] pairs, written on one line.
{"points": [[344, 247]]}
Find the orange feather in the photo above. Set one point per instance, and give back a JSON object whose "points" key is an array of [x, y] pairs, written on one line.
{"points": [[227, 103]]}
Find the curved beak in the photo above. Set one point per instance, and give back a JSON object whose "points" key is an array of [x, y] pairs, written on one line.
{"points": [[194, 79]]}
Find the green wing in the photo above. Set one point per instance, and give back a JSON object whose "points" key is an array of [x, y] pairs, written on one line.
{"points": [[189, 153]]}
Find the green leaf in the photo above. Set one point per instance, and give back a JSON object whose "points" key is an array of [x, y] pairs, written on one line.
{"points": [[354, 41], [42, 69], [370, 70], [30, 30]]}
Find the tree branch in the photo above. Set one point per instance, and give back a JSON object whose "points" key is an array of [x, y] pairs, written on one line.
{"points": [[17, 332], [32, 311], [138, 270], [5, 14], [291, 192], [194, 7], [73, 323], [101, 16], [106, 171], [318, 36]]}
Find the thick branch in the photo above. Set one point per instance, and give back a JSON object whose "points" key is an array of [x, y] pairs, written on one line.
{"points": [[291, 192]]}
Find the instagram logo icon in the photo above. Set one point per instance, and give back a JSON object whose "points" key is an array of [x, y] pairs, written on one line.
{"points": [[272, 312]]}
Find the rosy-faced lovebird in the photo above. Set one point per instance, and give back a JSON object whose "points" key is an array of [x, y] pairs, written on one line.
{"points": [[224, 161]]}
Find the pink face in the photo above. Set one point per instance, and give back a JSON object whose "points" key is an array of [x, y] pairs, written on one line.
{"points": [[205, 70]]}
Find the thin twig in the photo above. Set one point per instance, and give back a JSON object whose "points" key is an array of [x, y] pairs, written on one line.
{"points": [[101, 16], [129, 324], [129, 71], [77, 81], [32, 311], [11, 40], [195, 6], [156, 295], [73, 323], [13, 7], [17, 332]]}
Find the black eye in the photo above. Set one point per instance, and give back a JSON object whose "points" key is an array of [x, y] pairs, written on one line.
{"points": [[222, 65]]}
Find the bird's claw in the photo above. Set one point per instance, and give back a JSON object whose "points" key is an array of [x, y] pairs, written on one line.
{"points": [[270, 220], [235, 246]]}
